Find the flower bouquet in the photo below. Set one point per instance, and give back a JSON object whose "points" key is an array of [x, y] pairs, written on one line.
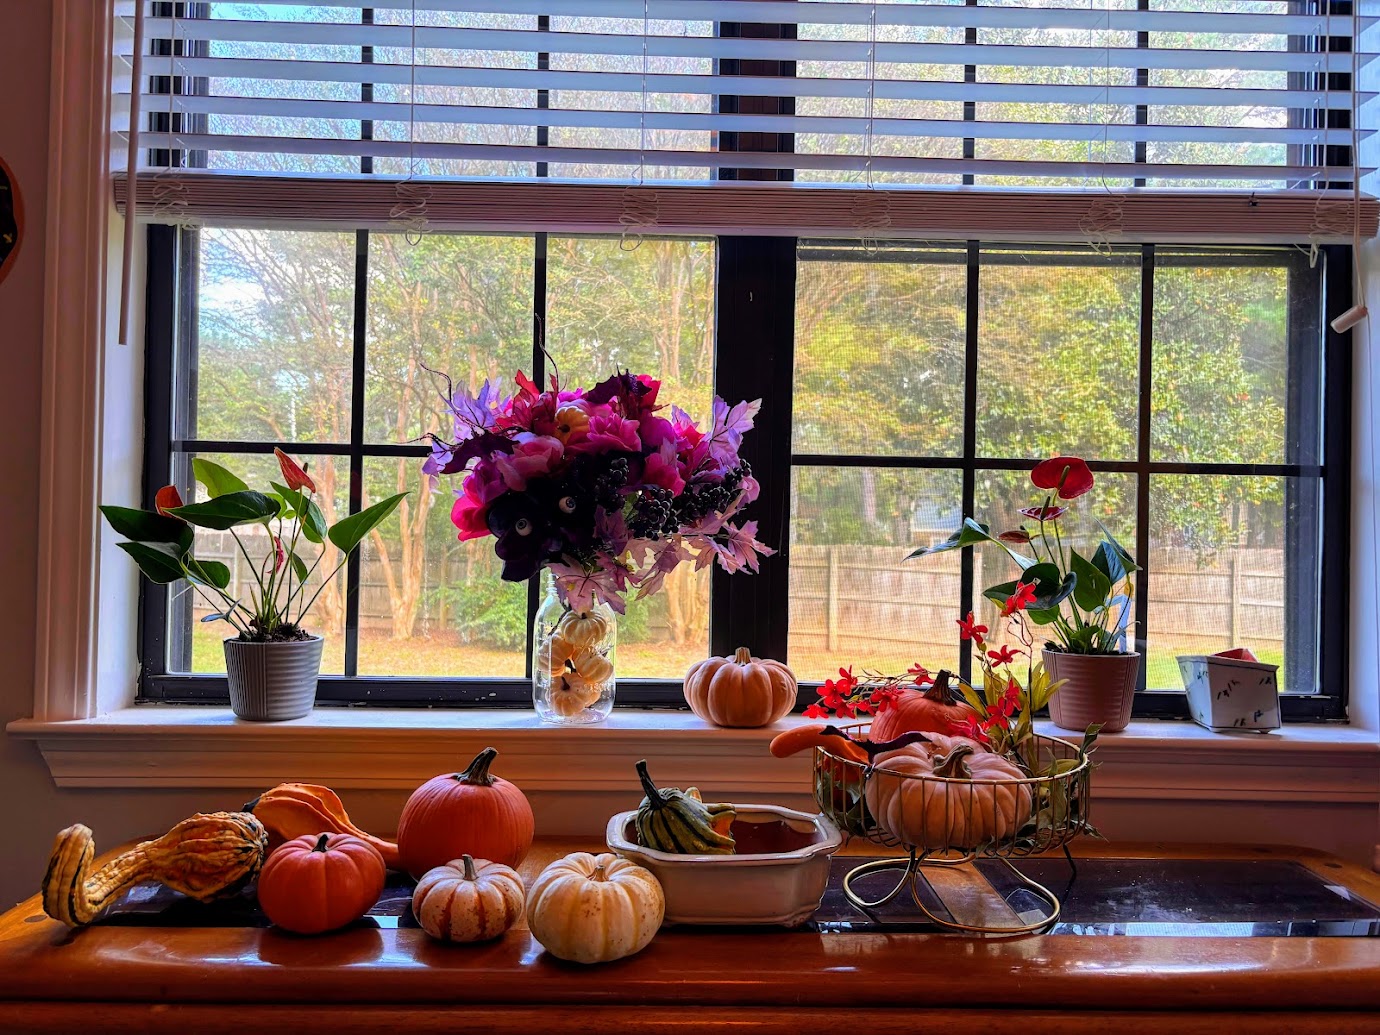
{"points": [[607, 493]]}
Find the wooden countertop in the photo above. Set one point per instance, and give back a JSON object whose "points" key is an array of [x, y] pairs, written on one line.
{"points": [[115, 978]]}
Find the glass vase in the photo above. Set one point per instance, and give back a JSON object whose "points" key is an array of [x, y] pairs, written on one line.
{"points": [[572, 661]]}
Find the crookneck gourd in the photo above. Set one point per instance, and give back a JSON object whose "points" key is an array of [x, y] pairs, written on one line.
{"points": [[296, 809], [677, 821], [208, 856]]}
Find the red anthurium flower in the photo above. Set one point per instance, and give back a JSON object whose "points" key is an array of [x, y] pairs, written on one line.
{"points": [[296, 477], [1003, 655], [1020, 600], [970, 630], [1019, 536], [1044, 514], [1068, 475], [167, 498]]}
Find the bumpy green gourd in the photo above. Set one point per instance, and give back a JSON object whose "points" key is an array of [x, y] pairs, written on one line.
{"points": [[678, 821]]}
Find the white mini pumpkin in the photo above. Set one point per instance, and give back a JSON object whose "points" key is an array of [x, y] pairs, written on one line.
{"points": [[468, 900], [593, 909], [591, 666], [584, 628]]}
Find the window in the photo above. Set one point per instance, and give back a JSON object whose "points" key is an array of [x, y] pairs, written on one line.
{"points": [[583, 170], [924, 381]]}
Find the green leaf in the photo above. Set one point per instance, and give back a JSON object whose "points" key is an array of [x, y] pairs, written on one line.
{"points": [[1050, 589], [218, 480], [1042, 616], [1127, 561], [298, 565], [147, 526], [1093, 587], [212, 618], [157, 565], [210, 573], [971, 696], [245, 507], [312, 521], [1108, 562], [347, 532], [972, 533]]}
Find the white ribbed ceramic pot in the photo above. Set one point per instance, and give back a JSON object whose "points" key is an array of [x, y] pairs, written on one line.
{"points": [[1100, 688], [270, 682]]}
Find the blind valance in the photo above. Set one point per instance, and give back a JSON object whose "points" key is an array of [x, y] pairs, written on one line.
{"points": [[1113, 98]]}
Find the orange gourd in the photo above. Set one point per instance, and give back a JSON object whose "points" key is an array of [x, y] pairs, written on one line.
{"points": [[740, 691], [467, 813], [297, 809], [830, 738], [319, 883], [932, 710]]}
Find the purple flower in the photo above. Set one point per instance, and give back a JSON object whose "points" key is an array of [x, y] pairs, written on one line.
{"points": [[738, 548]]}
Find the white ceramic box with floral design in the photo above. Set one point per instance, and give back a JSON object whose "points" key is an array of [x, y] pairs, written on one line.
{"points": [[1231, 693]]}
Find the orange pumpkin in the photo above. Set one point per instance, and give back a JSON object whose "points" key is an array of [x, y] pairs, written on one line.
{"points": [[468, 813], [932, 710], [319, 882], [741, 690]]}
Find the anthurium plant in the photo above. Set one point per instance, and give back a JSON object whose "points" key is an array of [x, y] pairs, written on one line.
{"points": [[1083, 601], [161, 542]]}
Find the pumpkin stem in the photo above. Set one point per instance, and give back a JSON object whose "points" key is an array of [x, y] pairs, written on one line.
{"points": [[598, 873], [654, 797], [953, 765], [477, 772], [939, 691], [742, 656], [468, 860], [321, 843]]}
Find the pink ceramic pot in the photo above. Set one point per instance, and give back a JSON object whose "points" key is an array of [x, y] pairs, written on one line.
{"points": [[1099, 688]]}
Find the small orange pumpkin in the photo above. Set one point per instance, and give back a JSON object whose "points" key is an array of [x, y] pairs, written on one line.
{"points": [[319, 882], [741, 690], [467, 813], [932, 710]]}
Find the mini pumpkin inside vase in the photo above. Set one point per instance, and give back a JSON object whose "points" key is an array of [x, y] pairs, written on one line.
{"points": [[573, 679]]}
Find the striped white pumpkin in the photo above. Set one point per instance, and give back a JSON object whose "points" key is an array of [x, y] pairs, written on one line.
{"points": [[468, 900]]}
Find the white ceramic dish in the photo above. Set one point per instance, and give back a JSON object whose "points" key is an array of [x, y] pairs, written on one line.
{"points": [[780, 887]]}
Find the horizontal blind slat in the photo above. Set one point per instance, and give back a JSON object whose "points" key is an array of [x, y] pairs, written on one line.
{"points": [[446, 114], [710, 47], [351, 72], [610, 156]]}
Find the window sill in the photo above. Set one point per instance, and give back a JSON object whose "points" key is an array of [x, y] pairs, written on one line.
{"points": [[378, 748]]}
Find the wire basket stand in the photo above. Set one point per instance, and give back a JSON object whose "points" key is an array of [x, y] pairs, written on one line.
{"points": [[946, 821]]}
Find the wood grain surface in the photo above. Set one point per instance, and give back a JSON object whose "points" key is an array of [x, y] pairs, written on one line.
{"points": [[213, 979]]}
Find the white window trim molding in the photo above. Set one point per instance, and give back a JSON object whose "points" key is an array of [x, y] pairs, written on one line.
{"points": [[91, 735], [381, 748]]}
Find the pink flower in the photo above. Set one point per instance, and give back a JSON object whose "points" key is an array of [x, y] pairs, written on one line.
{"points": [[662, 469], [481, 487], [656, 432], [609, 432], [534, 456]]}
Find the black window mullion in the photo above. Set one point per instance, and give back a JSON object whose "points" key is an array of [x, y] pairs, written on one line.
{"points": [[539, 306], [1143, 445], [1334, 595], [356, 454], [972, 318]]}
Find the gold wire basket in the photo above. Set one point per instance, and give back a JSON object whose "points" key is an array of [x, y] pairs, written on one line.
{"points": [[949, 821]]}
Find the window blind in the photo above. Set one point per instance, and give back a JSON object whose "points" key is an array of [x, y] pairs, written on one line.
{"points": [[1108, 100]]}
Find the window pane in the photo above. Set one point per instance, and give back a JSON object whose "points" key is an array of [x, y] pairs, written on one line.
{"points": [[454, 303], [1233, 563], [1221, 364], [195, 646], [885, 328], [1000, 497], [853, 599], [649, 309], [429, 604], [274, 337], [1059, 336]]}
